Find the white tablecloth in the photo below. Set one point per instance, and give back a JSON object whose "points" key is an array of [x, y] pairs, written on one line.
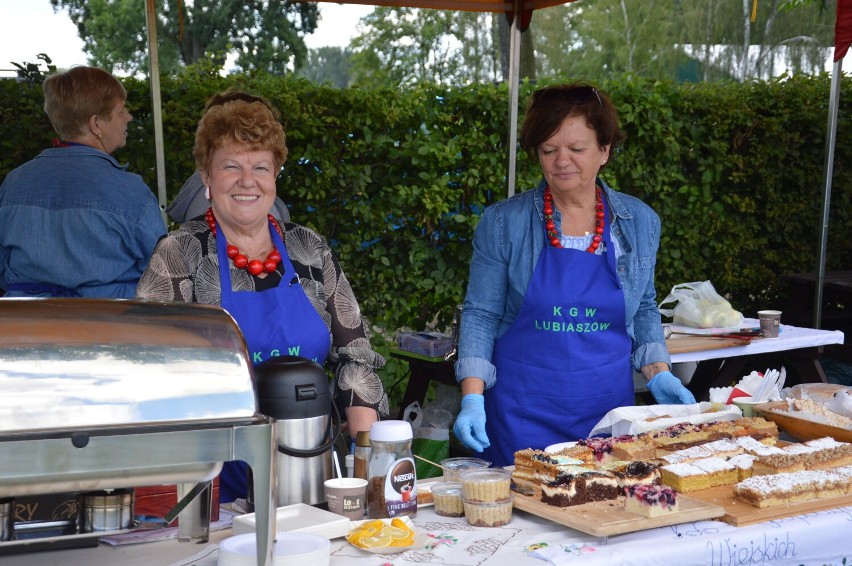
{"points": [[790, 338], [816, 538]]}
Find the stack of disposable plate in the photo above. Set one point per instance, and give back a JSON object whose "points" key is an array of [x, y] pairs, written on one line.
{"points": [[291, 549], [301, 518]]}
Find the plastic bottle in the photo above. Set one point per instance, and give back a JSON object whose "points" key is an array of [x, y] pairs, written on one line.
{"points": [[392, 482], [362, 454]]}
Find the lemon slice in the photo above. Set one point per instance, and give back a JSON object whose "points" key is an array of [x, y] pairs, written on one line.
{"points": [[395, 532], [378, 541], [407, 541]]}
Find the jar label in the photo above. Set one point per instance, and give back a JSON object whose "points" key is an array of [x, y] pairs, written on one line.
{"points": [[401, 488]]}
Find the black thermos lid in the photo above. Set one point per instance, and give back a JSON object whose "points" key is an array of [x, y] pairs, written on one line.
{"points": [[292, 387]]}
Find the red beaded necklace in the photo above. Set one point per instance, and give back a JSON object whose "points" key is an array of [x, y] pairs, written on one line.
{"points": [[241, 260], [550, 226]]}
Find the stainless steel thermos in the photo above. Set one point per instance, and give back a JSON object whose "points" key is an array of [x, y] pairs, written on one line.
{"points": [[295, 391]]}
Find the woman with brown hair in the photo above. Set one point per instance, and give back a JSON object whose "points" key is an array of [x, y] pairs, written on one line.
{"points": [[560, 306]]}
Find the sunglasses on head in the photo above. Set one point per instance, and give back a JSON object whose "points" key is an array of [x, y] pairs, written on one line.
{"points": [[573, 95]]}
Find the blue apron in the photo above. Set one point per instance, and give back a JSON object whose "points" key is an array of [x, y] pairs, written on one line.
{"points": [[565, 361], [39, 289], [276, 322]]}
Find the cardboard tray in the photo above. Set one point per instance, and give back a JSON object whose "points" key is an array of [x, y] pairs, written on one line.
{"points": [[606, 518], [799, 428]]}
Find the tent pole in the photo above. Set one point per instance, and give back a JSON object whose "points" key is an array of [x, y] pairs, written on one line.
{"points": [[514, 72], [830, 142], [156, 104]]}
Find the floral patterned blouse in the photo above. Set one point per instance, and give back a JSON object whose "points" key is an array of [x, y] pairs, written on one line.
{"points": [[185, 268]]}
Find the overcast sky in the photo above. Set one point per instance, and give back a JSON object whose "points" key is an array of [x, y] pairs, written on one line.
{"points": [[29, 27]]}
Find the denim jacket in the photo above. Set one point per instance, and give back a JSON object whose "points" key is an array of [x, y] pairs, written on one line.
{"points": [[74, 217], [506, 245]]}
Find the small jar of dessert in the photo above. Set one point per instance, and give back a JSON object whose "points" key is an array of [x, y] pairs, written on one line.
{"points": [[488, 485], [448, 499], [493, 514], [453, 467]]}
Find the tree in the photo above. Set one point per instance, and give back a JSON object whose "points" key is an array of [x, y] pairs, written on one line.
{"points": [[328, 65], [402, 46], [682, 40], [264, 34]]}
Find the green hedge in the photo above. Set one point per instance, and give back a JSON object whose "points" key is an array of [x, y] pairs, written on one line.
{"points": [[396, 180]]}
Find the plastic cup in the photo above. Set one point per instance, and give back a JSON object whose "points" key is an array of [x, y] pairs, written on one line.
{"points": [[770, 323], [346, 497], [453, 467], [746, 405]]}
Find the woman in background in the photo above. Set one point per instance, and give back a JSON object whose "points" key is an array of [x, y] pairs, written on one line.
{"points": [[73, 221]]}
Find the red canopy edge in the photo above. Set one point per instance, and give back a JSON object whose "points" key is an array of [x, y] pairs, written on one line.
{"points": [[462, 5], [524, 8], [842, 29]]}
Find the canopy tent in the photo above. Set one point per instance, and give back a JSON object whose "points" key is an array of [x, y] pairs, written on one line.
{"points": [[518, 13], [842, 41]]}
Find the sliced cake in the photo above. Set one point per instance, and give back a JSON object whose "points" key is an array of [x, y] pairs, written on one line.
{"points": [[791, 487], [635, 473], [757, 448], [562, 492], [743, 463], [598, 485], [719, 471], [684, 477], [650, 500], [537, 466], [686, 455]]}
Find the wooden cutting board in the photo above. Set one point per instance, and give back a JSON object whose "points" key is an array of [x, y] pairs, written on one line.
{"points": [[679, 344], [605, 518], [741, 514]]}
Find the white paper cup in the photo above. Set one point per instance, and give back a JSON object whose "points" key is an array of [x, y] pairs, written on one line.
{"points": [[347, 497], [746, 405], [770, 323]]}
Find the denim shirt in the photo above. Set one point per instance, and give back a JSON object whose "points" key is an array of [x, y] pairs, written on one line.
{"points": [[74, 217], [506, 246]]}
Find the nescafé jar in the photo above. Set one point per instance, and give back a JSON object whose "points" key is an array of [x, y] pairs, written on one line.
{"points": [[392, 487]]}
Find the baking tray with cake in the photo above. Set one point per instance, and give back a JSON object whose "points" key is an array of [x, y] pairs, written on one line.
{"points": [[580, 485]]}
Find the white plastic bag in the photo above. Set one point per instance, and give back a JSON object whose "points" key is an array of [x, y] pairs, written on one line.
{"points": [[700, 306]]}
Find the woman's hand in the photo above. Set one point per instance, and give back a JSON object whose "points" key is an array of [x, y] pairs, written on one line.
{"points": [[470, 424], [360, 419], [668, 390]]}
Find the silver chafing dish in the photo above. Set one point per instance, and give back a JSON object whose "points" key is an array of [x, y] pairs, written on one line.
{"points": [[110, 394]]}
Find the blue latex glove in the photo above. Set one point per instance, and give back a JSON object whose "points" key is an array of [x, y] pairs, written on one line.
{"points": [[470, 424], [668, 390]]}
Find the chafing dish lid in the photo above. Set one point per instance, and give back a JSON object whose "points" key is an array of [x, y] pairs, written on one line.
{"points": [[86, 363]]}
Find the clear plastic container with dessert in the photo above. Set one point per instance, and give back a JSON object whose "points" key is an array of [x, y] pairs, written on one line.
{"points": [[488, 485], [493, 514], [448, 499], [453, 467]]}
